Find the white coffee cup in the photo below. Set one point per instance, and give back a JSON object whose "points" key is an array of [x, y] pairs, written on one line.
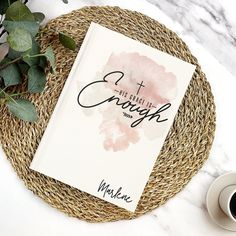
{"points": [[225, 199]]}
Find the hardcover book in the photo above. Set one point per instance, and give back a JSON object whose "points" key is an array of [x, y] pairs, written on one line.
{"points": [[112, 117]]}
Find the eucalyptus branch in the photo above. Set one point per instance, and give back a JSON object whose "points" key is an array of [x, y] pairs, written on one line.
{"points": [[17, 94], [10, 62], [22, 27], [2, 98], [35, 55], [7, 96]]}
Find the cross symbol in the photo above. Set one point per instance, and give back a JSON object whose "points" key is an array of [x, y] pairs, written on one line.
{"points": [[140, 85]]}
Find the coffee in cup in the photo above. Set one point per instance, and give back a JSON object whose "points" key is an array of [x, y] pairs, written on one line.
{"points": [[227, 201]]}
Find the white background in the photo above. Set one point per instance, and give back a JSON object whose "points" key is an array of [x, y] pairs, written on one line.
{"points": [[24, 214]]}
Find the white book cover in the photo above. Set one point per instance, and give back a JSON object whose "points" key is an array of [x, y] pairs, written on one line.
{"points": [[112, 117]]}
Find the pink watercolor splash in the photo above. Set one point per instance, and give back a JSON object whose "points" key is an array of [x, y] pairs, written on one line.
{"points": [[160, 88], [160, 84], [118, 134]]}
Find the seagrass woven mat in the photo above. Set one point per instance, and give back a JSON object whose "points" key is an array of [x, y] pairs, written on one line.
{"points": [[186, 147]]}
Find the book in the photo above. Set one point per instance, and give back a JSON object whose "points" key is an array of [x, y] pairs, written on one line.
{"points": [[112, 117]]}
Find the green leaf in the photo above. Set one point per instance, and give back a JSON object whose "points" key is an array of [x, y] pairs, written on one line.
{"points": [[24, 67], [19, 12], [4, 5], [19, 40], [11, 74], [12, 54], [38, 16], [30, 26], [67, 41], [49, 54], [22, 109], [42, 62], [36, 79], [34, 51]]}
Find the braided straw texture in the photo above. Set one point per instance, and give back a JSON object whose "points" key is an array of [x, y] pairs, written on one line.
{"points": [[186, 147]]}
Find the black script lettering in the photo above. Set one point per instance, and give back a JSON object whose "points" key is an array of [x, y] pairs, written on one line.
{"points": [[95, 83], [131, 107], [115, 194]]}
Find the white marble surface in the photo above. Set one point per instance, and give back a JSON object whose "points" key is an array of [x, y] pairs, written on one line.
{"points": [[211, 23], [23, 214]]}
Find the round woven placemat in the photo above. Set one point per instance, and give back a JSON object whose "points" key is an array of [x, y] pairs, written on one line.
{"points": [[186, 147]]}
